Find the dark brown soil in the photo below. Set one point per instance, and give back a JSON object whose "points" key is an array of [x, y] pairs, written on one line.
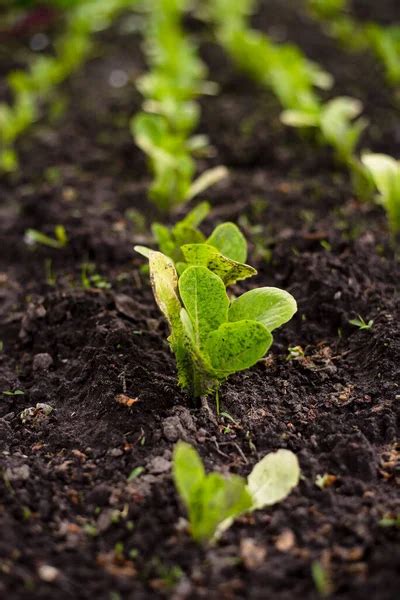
{"points": [[66, 498]]}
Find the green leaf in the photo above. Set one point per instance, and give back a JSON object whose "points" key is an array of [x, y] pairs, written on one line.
{"points": [[237, 346], [273, 478], [270, 306], [188, 471], [209, 499], [149, 131], [204, 297], [143, 250], [221, 499], [227, 269], [300, 118], [207, 180], [230, 241]]}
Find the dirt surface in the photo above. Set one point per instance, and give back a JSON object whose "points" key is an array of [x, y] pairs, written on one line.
{"points": [[75, 522]]}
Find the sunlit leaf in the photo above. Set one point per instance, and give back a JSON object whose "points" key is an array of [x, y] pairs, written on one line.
{"points": [[273, 478], [270, 306]]}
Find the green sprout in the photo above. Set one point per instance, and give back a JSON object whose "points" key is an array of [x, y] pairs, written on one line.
{"points": [[211, 335], [90, 279], [322, 580], [13, 393], [33, 237], [213, 501], [170, 112], [185, 237], [390, 521], [361, 323]]}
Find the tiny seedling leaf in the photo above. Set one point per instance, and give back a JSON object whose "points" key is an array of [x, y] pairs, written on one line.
{"points": [[206, 180], [188, 471]]}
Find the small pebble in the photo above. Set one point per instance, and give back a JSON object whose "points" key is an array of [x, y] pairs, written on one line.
{"points": [[42, 362], [159, 464], [48, 573], [17, 473]]}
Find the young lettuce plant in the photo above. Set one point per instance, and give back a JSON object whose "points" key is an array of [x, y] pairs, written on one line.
{"points": [[337, 123], [212, 336], [170, 111], [385, 172], [35, 86], [293, 79], [280, 67], [384, 41], [213, 501]]}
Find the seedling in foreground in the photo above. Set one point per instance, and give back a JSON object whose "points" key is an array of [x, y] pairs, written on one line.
{"points": [[385, 172], [214, 501], [211, 336]]}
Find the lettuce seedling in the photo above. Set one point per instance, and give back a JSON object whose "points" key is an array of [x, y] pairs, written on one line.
{"points": [[170, 158], [214, 501], [336, 123], [383, 40], [34, 87], [385, 172], [211, 336], [170, 111]]}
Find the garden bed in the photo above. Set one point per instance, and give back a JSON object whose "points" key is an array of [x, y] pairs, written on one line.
{"points": [[70, 497]]}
